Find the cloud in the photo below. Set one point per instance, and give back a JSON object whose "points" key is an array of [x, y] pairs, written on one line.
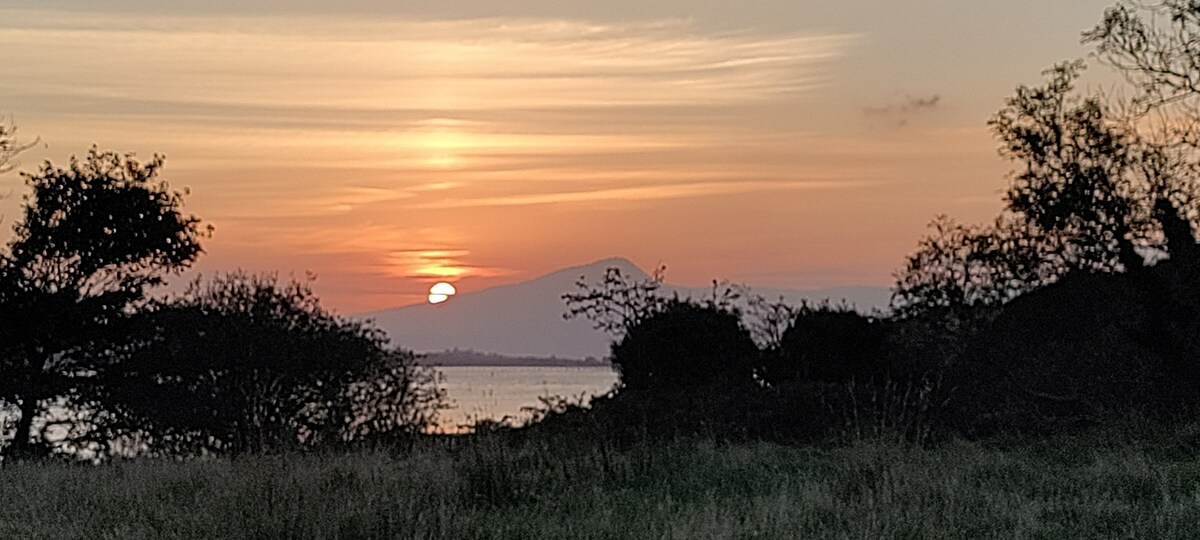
{"points": [[435, 264], [636, 193], [906, 105], [428, 65]]}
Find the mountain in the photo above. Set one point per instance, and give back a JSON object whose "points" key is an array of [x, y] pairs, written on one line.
{"points": [[526, 319]]}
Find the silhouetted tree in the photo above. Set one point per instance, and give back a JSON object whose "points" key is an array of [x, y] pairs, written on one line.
{"points": [[243, 363], [768, 320], [958, 268], [686, 345], [1084, 199], [618, 302], [92, 239], [9, 147], [1155, 45], [1080, 179]]}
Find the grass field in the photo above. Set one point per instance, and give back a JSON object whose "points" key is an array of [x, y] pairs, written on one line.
{"points": [[1090, 487]]}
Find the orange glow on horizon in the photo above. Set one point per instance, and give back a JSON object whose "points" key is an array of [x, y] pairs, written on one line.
{"points": [[390, 149]]}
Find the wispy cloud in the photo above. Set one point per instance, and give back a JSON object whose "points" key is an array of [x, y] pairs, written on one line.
{"points": [[638, 193], [435, 264], [423, 65]]}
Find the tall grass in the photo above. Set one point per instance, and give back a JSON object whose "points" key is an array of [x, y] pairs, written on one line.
{"points": [[493, 487]]}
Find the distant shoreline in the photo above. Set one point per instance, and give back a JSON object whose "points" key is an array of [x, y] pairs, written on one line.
{"points": [[459, 358]]}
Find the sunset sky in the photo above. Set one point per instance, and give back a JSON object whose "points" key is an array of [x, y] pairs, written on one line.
{"points": [[386, 145]]}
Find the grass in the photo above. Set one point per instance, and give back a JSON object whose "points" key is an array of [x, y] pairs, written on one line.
{"points": [[493, 488]]}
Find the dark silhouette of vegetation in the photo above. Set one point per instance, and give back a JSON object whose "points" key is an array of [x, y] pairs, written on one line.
{"points": [[9, 146], [735, 366], [829, 344], [1078, 305], [1155, 46], [686, 345], [1082, 182], [961, 268], [244, 363], [618, 303], [93, 238]]}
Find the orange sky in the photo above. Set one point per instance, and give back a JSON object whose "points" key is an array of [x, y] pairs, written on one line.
{"points": [[387, 148]]}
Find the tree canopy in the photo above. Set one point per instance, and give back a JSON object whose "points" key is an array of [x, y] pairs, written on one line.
{"points": [[245, 363], [92, 238]]}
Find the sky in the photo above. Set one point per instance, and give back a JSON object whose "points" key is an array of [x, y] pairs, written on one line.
{"points": [[384, 146]]}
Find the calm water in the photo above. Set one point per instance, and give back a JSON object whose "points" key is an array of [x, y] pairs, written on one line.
{"points": [[495, 392]]}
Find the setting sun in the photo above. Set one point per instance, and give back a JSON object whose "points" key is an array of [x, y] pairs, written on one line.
{"points": [[440, 292]]}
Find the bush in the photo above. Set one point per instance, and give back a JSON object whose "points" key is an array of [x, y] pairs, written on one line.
{"points": [[831, 345], [1088, 350], [685, 346]]}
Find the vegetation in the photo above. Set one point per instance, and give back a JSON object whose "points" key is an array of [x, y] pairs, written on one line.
{"points": [[243, 363], [686, 345], [93, 239], [1095, 487]]}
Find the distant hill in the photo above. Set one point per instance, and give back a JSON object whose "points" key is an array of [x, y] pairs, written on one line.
{"points": [[526, 319]]}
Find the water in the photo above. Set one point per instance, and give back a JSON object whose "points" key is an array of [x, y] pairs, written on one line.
{"points": [[476, 392], [487, 392]]}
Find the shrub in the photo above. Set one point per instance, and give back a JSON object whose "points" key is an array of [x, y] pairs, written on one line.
{"points": [[685, 346]]}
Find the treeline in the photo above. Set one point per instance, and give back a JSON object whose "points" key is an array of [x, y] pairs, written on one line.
{"points": [[1079, 305], [92, 365], [458, 357]]}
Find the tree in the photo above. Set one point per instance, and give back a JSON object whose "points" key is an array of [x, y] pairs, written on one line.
{"points": [[9, 147], [1088, 196], [618, 302], [1079, 182], [1156, 46], [959, 268], [93, 238], [244, 363], [683, 346]]}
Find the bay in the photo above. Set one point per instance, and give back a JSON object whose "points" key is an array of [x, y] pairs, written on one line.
{"points": [[500, 393], [475, 393]]}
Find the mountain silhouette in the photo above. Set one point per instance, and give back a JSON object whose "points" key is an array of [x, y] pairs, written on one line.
{"points": [[526, 319]]}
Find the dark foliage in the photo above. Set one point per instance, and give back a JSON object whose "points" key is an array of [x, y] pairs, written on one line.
{"points": [[1082, 199], [92, 239], [831, 345], [245, 364], [1080, 181], [618, 302], [1090, 349], [686, 345], [959, 268], [1155, 45]]}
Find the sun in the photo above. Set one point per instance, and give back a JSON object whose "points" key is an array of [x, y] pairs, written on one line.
{"points": [[440, 292]]}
